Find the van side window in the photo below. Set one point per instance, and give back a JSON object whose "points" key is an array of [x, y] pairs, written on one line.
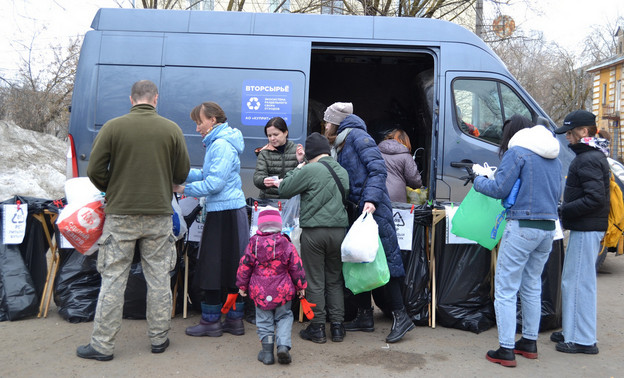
{"points": [[481, 106]]}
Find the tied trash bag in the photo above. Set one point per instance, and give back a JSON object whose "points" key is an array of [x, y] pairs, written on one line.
{"points": [[77, 286], [480, 218], [360, 243], [361, 277]]}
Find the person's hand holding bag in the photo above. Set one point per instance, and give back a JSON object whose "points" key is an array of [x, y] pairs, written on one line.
{"points": [[360, 244]]}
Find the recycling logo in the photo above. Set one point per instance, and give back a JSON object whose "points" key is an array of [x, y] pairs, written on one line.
{"points": [[398, 220], [253, 103]]}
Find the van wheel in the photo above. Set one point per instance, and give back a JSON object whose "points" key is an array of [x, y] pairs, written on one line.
{"points": [[600, 259]]}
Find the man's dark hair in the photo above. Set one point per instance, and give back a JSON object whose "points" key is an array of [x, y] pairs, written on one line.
{"points": [[143, 90]]}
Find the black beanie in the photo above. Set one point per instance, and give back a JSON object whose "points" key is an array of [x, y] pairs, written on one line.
{"points": [[315, 145]]}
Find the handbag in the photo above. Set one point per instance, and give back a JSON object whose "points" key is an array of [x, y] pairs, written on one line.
{"points": [[480, 218], [350, 207], [362, 277]]}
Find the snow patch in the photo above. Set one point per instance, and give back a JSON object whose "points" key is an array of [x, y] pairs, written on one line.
{"points": [[32, 164]]}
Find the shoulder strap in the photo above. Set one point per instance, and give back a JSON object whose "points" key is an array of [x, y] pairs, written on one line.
{"points": [[335, 176]]}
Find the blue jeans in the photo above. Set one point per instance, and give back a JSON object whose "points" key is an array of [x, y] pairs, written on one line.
{"points": [[521, 258], [578, 287], [277, 321]]}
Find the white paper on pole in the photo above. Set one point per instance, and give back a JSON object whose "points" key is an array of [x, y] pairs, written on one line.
{"points": [[14, 223], [451, 238], [404, 223], [195, 232]]}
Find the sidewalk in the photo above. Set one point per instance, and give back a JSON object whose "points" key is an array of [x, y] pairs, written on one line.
{"points": [[47, 347]]}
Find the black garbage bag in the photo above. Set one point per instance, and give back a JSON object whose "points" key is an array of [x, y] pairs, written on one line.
{"points": [[415, 288], [194, 292], [135, 296], [463, 284], [23, 267], [18, 298], [551, 291], [77, 286]]}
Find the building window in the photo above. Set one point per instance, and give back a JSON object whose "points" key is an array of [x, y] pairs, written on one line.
{"points": [[604, 94]]}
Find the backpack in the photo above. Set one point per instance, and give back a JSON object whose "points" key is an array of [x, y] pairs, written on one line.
{"points": [[616, 215]]}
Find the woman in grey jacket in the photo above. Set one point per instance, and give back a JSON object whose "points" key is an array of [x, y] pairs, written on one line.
{"points": [[402, 170]]}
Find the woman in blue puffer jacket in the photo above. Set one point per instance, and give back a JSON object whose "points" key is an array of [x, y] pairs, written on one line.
{"points": [[358, 153], [226, 226]]}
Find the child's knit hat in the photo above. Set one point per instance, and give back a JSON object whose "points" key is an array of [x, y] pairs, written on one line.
{"points": [[269, 220]]}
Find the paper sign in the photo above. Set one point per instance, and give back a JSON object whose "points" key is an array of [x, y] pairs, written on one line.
{"points": [[65, 244], [404, 223], [451, 238], [195, 232], [14, 223]]}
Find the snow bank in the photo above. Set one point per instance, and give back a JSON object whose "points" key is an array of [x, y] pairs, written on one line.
{"points": [[31, 163]]}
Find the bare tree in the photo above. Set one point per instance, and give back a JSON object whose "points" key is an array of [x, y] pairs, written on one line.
{"points": [[39, 98], [602, 42]]}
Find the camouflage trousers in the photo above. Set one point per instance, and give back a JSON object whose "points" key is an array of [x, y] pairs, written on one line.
{"points": [[154, 236]]}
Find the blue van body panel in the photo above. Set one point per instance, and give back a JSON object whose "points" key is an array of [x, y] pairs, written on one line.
{"points": [[197, 56]]}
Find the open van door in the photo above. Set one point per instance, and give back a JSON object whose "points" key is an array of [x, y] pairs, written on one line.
{"points": [[477, 104]]}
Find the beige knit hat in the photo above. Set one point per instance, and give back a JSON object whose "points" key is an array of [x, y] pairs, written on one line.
{"points": [[337, 112]]}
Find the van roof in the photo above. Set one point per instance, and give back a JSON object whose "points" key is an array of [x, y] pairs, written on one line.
{"points": [[284, 24]]}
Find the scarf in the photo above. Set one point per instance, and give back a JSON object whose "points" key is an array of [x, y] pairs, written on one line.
{"points": [[339, 143]]}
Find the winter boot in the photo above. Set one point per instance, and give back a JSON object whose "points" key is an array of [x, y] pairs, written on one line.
{"points": [[210, 322], [283, 356], [526, 348], [363, 321], [266, 354], [503, 356], [233, 322], [315, 333], [401, 324], [337, 331]]}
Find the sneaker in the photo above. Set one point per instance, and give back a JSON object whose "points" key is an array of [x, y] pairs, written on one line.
{"points": [[576, 348], [87, 351], [526, 348], [160, 348], [503, 356], [557, 337]]}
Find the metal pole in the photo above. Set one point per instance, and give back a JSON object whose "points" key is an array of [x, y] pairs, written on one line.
{"points": [[479, 19]]}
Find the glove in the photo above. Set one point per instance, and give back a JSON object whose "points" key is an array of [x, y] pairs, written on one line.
{"points": [[307, 308], [229, 303], [470, 177], [484, 170]]}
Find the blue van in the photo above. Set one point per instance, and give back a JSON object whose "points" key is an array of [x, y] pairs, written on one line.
{"points": [[434, 79]]}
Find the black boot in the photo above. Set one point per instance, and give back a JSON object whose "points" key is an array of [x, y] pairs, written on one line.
{"points": [[233, 322], [526, 348], [363, 321], [209, 324], [503, 356], [315, 333], [337, 331], [283, 356], [401, 324], [266, 354]]}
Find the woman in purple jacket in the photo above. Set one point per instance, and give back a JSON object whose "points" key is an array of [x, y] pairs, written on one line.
{"points": [[402, 170]]}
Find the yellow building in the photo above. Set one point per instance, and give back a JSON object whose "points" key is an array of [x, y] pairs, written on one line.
{"points": [[607, 96]]}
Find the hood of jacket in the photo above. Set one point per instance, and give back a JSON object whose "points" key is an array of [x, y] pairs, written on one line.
{"points": [[352, 122], [392, 147], [225, 132], [537, 139]]}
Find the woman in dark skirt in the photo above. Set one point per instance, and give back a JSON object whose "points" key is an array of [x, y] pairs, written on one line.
{"points": [[226, 228]]}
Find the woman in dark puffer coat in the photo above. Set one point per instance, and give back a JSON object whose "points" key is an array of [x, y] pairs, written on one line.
{"points": [[357, 152]]}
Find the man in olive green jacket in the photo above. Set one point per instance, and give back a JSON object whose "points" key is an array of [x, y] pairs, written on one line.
{"points": [[323, 222]]}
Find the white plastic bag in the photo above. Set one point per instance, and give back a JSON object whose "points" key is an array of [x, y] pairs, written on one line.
{"points": [[360, 245], [177, 218], [81, 222], [290, 221]]}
